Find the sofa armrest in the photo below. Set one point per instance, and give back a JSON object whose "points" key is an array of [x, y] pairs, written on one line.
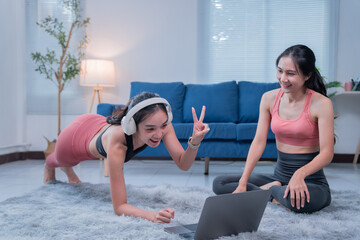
{"points": [[106, 109]]}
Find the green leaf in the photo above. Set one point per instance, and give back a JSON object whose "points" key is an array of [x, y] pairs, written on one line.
{"points": [[333, 84], [332, 94]]}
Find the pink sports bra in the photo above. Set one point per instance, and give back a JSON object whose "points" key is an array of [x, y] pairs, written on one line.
{"points": [[302, 131]]}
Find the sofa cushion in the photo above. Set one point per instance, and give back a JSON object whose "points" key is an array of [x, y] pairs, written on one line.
{"points": [[106, 109], [250, 94], [221, 101], [246, 131], [215, 149], [222, 131], [173, 92], [183, 130], [218, 131]]}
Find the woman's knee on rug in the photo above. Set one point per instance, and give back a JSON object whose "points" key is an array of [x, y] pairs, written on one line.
{"points": [[312, 206], [318, 199], [51, 161], [225, 184]]}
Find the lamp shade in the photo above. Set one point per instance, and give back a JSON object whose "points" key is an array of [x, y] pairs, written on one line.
{"points": [[97, 73]]}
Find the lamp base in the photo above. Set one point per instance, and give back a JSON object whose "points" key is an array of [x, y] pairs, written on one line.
{"points": [[97, 90]]}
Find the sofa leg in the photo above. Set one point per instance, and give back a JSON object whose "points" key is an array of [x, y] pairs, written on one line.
{"points": [[207, 161]]}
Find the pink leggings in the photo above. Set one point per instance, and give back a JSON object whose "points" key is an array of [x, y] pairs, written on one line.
{"points": [[72, 145]]}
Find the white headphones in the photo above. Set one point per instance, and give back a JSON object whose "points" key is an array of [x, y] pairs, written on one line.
{"points": [[128, 123]]}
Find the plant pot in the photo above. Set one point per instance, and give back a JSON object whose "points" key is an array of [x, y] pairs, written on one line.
{"points": [[50, 147]]}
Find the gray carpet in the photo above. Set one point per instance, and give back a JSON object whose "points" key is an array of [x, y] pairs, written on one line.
{"points": [[84, 211]]}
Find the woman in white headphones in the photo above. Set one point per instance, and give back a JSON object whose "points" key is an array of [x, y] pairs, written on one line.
{"points": [[144, 121]]}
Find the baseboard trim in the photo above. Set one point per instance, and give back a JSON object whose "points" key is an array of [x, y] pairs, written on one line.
{"points": [[36, 155], [344, 158], [12, 157]]}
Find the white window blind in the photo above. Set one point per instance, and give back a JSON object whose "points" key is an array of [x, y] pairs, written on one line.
{"points": [[41, 92], [246, 36]]}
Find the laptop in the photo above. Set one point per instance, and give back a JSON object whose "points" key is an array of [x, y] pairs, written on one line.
{"points": [[226, 215]]}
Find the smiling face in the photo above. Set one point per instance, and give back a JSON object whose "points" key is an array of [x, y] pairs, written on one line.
{"points": [[153, 128], [290, 77]]}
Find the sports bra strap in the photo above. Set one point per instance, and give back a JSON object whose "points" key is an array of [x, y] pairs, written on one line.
{"points": [[277, 101], [309, 96]]}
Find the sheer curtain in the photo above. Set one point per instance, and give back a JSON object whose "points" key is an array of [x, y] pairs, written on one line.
{"points": [[242, 38], [41, 93]]}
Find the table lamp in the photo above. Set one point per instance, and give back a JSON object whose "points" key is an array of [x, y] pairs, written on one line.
{"points": [[97, 73]]}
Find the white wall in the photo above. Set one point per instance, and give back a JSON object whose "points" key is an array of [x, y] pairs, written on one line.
{"points": [[149, 40], [347, 126], [348, 58], [12, 96]]}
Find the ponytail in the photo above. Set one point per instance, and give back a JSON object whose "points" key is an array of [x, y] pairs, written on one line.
{"points": [[117, 115], [316, 82]]}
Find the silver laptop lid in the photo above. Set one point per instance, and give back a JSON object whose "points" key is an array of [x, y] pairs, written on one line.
{"points": [[228, 214]]}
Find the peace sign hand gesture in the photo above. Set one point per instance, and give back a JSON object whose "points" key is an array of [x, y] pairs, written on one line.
{"points": [[200, 128]]}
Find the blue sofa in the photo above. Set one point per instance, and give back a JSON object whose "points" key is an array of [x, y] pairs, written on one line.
{"points": [[232, 110]]}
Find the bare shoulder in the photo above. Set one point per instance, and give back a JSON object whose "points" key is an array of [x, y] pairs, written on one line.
{"points": [[271, 94], [320, 101], [117, 137], [116, 147], [268, 97], [321, 106]]}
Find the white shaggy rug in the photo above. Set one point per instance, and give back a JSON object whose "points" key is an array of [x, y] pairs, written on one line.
{"points": [[84, 211]]}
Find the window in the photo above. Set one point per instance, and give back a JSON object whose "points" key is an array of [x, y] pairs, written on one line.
{"points": [[41, 93], [244, 37]]}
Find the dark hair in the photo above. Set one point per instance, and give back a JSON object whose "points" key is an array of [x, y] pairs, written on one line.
{"points": [[304, 59], [116, 117]]}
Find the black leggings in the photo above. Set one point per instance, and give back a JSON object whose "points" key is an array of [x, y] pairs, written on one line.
{"points": [[287, 164]]}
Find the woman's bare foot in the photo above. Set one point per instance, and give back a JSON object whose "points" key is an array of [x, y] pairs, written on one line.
{"points": [[72, 177], [278, 203], [269, 185], [275, 201], [49, 174]]}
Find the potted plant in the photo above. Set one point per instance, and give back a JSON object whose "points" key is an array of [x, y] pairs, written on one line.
{"points": [[62, 68], [332, 84]]}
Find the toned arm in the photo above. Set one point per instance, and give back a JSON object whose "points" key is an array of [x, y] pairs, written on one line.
{"points": [[116, 156], [323, 111], [259, 142], [185, 158], [116, 150]]}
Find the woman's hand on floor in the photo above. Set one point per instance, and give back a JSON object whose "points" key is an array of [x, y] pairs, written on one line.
{"points": [[298, 190], [164, 216]]}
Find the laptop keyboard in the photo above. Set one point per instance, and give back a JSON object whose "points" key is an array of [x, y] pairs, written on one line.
{"points": [[191, 227]]}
